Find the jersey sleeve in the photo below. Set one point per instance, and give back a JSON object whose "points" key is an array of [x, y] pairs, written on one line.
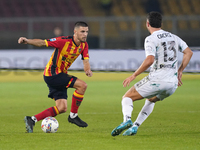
{"points": [[56, 42], [149, 46], [84, 53], [182, 44]]}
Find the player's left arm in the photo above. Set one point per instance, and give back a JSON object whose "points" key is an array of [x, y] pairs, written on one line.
{"points": [[187, 54], [85, 58], [144, 66], [87, 69]]}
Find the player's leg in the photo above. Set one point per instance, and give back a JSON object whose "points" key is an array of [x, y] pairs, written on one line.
{"points": [[78, 95], [61, 104], [60, 97], [146, 110], [77, 98], [30, 121], [140, 90], [58, 93], [142, 116], [127, 102], [61, 107], [162, 90], [127, 108], [165, 90]]}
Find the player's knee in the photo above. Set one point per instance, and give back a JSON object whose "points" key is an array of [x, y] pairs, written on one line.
{"points": [[126, 96], [154, 99], [62, 109], [83, 87]]}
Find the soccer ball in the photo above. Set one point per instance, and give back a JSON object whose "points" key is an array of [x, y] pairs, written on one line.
{"points": [[49, 125]]}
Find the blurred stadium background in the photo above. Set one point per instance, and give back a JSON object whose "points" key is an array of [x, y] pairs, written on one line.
{"points": [[114, 24], [117, 33]]}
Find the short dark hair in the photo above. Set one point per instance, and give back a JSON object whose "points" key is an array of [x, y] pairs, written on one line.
{"points": [[155, 19], [80, 24]]}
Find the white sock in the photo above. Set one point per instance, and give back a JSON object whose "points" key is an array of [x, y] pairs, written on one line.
{"points": [[73, 115], [34, 118], [144, 113], [127, 108]]}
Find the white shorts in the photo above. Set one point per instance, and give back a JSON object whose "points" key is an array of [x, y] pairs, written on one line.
{"points": [[161, 89]]}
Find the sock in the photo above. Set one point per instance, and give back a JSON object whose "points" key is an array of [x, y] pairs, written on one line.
{"points": [[127, 108], [73, 115], [52, 111], [34, 118], [76, 101], [144, 113]]}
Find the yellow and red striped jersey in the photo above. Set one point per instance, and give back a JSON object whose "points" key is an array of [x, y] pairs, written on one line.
{"points": [[65, 53]]}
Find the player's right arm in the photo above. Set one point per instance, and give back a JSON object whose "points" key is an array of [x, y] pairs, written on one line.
{"points": [[144, 66], [87, 69], [150, 51], [34, 42]]}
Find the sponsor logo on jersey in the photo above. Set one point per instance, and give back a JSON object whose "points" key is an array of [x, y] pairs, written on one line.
{"points": [[53, 39]]}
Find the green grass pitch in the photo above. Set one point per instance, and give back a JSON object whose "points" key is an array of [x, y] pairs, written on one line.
{"points": [[173, 125]]}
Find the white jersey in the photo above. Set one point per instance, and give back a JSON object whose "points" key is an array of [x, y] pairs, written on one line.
{"points": [[164, 46]]}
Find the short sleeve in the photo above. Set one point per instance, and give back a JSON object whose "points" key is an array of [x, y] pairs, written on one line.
{"points": [[56, 42], [182, 44], [149, 46], [84, 53]]}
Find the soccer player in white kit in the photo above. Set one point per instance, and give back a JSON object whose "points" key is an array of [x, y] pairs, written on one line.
{"points": [[161, 48]]}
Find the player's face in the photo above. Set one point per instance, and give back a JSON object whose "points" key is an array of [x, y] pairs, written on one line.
{"points": [[81, 33]]}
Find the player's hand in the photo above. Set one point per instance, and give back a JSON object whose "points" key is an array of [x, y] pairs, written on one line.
{"points": [[128, 80], [179, 78], [88, 73], [22, 40]]}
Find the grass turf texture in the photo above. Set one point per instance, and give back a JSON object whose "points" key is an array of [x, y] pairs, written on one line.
{"points": [[174, 123]]}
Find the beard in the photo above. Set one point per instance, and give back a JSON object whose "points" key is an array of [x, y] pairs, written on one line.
{"points": [[83, 39]]}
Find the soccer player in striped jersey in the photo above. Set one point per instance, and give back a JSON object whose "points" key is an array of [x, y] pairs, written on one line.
{"points": [[161, 48], [67, 49]]}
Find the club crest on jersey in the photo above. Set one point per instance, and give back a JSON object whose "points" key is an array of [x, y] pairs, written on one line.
{"points": [[79, 50], [53, 39]]}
